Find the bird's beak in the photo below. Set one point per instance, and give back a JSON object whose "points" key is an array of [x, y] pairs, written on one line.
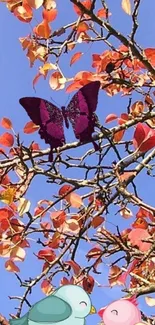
{"points": [[92, 310]]}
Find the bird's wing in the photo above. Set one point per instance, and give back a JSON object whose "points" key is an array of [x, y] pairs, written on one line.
{"points": [[21, 321], [51, 309]]}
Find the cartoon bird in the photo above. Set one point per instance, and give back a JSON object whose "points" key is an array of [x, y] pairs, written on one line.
{"points": [[68, 305], [121, 312]]}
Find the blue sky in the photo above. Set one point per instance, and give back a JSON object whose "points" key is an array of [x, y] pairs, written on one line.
{"points": [[16, 81]]}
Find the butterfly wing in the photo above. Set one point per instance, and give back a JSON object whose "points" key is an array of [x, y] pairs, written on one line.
{"points": [[81, 108], [50, 119]]}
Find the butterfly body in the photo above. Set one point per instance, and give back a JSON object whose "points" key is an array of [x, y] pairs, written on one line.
{"points": [[79, 112]]}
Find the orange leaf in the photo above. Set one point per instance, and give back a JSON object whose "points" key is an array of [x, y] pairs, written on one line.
{"points": [[43, 29], [137, 108], [49, 15], [11, 266], [97, 221], [140, 223], [102, 13], [46, 287], [118, 136], [35, 3], [6, 123], [30, 127], [7, 139], [86, 3], [24, 13], [126, 6], [75, 57], [57, 81]]}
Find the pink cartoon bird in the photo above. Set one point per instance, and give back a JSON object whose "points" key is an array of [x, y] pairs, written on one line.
{"points": [[121, 312]]}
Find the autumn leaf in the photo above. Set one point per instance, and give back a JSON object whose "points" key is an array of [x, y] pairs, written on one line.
{"points": [[6, 123], [46, 254], [97, 221], [75, 266], [140, 223], [72, 226], [35, 3], [137, 108], [103, 13], [74, 200], [126, 213], [24, 13], [136, 236], [11, 266], [65, 189], [24, 206], [30, 127], [150, 301], [17, 254], [57, 81], [43, 29], [58, 218], [46, 287], [126, 6], [88, 284], [5, 213], [7, 196], [144, 138], [75, 57], [7, 139], [49, 15], [110, 118]]}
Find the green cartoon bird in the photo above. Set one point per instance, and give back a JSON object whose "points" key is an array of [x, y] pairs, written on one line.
{"points": [[68, 305]]}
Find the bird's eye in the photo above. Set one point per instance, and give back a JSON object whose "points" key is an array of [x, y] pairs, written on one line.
{"points": [[114, 311], [83, 304]]}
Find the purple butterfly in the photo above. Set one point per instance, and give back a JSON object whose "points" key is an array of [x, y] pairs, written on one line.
{"points": [[80, 113]]}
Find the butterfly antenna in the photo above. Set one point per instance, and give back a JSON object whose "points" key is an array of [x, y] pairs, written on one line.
{"points": [[54, 101]]}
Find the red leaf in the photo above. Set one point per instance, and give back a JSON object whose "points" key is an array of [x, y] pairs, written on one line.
{"points": [[65, 189], [46, 254], [30, 127], [58, 218], [88, 284], [97, 221], [136, 236], [75, 57], [94, 253], [110, 118], [143, 213], [7, 139], [76, 267], [64, 281], [144, 137], [5, 213], [6, 123]]}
